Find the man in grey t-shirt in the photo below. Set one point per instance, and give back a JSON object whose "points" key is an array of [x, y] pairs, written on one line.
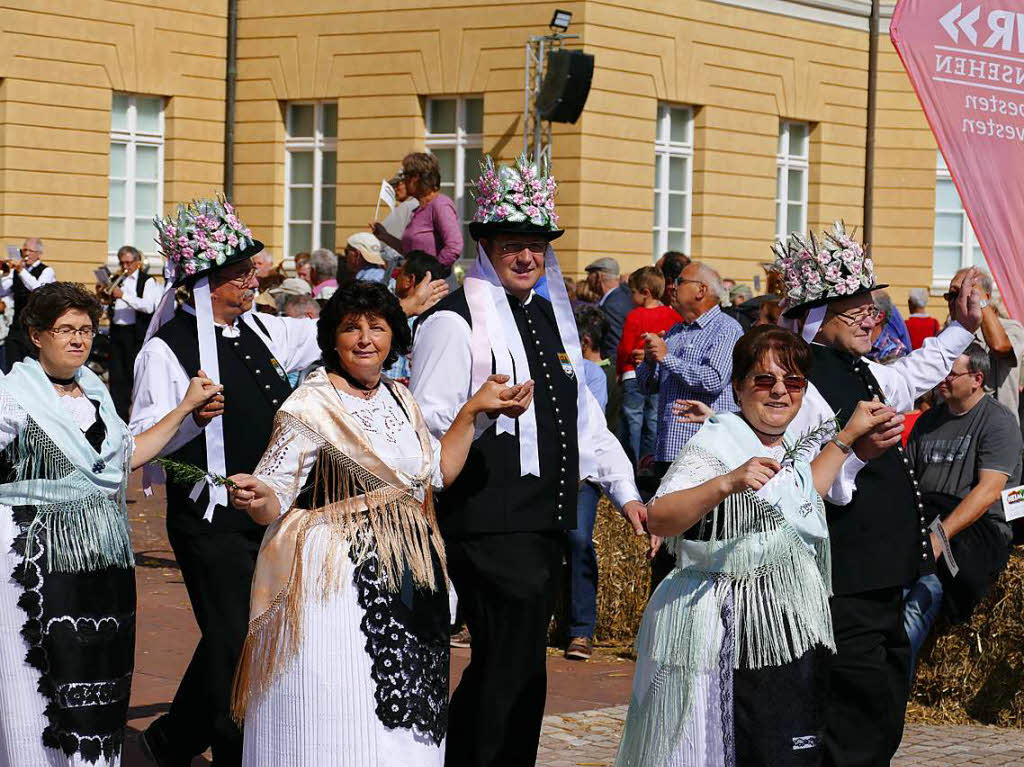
{"points": [[964, 452]]}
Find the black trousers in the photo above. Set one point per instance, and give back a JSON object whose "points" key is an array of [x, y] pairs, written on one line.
{"points": [[217, 568], [870, 679], [124, 348], [506, 584]]}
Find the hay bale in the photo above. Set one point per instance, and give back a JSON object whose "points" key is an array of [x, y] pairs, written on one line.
{"points": [[624, 577], [975, 672], [623, 583]]}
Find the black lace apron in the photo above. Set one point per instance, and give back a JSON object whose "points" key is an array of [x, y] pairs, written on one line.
{"points": [[79, 628]]}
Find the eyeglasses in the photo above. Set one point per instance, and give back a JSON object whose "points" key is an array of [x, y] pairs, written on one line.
{"points": [[681, 280], [951, 376], [244, 279], [65, 332], [855, 318], [511, 248], [767, 381]]}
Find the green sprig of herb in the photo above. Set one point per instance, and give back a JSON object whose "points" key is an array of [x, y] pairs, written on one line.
{"points": [[811, 439], [188, 474]]}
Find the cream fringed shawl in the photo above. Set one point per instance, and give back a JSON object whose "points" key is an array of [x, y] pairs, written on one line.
{"points": [[765, 553], [370, 506]]}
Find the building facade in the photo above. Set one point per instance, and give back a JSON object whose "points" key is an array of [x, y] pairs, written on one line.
{"points": [[712, 126]]}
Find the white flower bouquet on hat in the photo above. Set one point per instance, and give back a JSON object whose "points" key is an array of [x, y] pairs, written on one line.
{"points": [[823, 268]]}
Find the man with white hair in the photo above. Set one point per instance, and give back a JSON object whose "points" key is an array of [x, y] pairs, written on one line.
{"points": [[323, 267], [1002, 338], [694, 359], [27, 274], [920, 324]]}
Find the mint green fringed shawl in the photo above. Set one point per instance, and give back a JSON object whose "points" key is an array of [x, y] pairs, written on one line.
{"points": [[767, 551], [78, 493]]}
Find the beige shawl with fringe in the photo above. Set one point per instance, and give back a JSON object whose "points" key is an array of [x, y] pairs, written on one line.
{"points": [[370, 505]]}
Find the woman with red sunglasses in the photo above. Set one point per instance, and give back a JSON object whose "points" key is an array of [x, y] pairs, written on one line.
{"points": [[733, 651]]}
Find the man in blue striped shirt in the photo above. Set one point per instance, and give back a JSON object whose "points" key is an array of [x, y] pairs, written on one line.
{"points": [[693, 360]]}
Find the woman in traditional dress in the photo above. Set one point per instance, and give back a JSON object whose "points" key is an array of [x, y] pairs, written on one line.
{"points": [[67, 580], [346, 662], [732, 652]]}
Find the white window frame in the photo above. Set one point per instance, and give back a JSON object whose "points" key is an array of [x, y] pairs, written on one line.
{"points": [[460, 141], [785, 162], [968, 242], [664, 150], [132, 138], [317, 144]]}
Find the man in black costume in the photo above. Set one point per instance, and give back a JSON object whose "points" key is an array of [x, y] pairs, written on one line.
{"points": [[504, 519], [215, 544], [879, 536]]}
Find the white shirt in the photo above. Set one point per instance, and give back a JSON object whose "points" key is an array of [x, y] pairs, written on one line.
{"points": [[442, 373], [901, 381], [129, 303], [161, 381], [46, 276]]}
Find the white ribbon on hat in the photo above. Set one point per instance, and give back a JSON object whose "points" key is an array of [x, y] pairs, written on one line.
{"points": [[811, 324], [213, 434], [496, 344], [214, 431]]}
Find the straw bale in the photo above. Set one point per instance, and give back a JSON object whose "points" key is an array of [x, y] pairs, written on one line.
{"points": [[975, 672], [624, 583]]}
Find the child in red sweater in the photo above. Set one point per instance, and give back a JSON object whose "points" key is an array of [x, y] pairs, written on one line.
{"points": [[639, 421]]}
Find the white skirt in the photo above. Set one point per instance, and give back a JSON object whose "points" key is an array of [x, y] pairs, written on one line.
{"points": [[22, 720], [320, 710]]}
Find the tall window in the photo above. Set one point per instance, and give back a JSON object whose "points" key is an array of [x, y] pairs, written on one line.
{"points": [[311, 168], [136, 190], [955, 246], [673, 179], [455, 128], [791, 186]]}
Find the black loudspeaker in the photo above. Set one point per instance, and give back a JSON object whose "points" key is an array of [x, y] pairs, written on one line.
{"points": [[566, 86]]}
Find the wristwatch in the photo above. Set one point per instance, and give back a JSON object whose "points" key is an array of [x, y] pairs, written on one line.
{"points": [[847, 449]]}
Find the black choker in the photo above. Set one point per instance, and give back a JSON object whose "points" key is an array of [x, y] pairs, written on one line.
{"points": [[358, 385], [61, 381]]}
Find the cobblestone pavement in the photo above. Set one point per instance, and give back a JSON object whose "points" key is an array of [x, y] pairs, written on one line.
{"points": [[589, 739]]}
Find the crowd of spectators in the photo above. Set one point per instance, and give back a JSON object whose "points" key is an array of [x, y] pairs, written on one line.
{"points": [[668, 354]]}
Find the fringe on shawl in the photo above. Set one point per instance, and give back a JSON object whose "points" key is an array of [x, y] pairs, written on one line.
{"points": [[780, 596], [398, 528], [85, 530]]}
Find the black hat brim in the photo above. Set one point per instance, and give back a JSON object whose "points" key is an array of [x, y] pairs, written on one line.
{"points": [[478, 229], [796, 311], [234, 258]]}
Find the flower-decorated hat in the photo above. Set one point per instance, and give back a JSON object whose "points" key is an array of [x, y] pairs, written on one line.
{"points": [[817, 270], [515, 198], [201, 237]]}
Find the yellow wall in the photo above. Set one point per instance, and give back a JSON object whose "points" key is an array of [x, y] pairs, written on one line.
{"points": [[60, 62], [742, 69]]}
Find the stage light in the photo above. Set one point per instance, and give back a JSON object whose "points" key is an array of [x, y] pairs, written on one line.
{"points": [[560, 20]]}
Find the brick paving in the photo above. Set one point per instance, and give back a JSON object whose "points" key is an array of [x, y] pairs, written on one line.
{"points": [[585, 701]]}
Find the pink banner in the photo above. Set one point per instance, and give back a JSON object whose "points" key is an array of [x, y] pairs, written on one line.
{"points": [[966, 63]]}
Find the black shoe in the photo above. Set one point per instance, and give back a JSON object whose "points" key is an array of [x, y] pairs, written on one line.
{"points": [[156, 747]]}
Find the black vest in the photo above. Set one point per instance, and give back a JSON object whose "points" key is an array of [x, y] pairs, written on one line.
{"points": [[253, 391], [21, 293], [490, 496], [141, 318], [879, 539]]}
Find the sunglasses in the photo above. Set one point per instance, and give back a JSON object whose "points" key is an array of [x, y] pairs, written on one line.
{"points": [[767, 381], [951, 295]]}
